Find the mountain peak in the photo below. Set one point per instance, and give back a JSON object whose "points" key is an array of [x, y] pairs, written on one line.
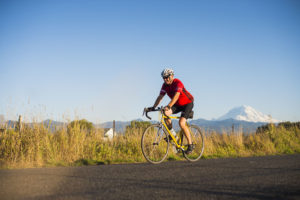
{"points": [[247, 113]]}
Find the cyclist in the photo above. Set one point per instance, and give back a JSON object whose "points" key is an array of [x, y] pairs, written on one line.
{"points": [[181, 101]]}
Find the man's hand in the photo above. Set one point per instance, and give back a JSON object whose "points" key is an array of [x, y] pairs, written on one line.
{"points": [[166, 108]]}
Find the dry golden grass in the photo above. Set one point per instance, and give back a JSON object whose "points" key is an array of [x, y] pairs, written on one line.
{"points": [[38, 147]]}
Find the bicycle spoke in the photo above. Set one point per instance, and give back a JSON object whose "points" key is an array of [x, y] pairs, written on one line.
{"points": [[154, 150], [198, 144]]}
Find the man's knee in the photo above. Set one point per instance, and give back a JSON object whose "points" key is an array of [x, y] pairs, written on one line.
{"points": [[168, 112], [182, 122]]}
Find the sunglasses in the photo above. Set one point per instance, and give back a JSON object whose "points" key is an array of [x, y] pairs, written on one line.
{"points": [[166, 77]]}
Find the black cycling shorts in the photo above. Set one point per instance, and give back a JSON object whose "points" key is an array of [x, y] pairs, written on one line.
{"points": [[185, 110]]}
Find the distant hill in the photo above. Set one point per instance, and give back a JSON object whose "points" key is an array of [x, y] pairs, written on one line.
{"points": [[243, 118], [120, 125], [227, 125], [53, 125], [208, 125]]}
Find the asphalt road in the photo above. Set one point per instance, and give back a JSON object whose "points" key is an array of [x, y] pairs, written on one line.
{"points": [[270, 177]]}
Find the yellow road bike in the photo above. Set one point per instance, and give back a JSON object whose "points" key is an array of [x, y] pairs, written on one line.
{"points": [[157, 138]]}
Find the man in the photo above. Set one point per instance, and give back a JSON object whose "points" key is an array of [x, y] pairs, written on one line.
{"points": [[181, 101]]}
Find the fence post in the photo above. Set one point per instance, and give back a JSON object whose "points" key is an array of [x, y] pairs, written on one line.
{"points": [[19, 124]]}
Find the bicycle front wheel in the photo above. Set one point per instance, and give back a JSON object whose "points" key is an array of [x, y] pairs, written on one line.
{"points": [[198, 144], [155, 144]]}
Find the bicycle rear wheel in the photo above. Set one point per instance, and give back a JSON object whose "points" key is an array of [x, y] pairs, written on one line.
{"points": [[198, 143], [154, 146]]}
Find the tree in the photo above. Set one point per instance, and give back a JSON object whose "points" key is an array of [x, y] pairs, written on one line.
{"points": [[137, 125], [83, 125]]}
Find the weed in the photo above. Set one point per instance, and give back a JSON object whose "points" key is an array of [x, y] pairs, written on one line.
{"points": [[76, 145]]}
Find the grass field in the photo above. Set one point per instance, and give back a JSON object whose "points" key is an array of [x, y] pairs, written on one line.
{"points": [[74, 146]]}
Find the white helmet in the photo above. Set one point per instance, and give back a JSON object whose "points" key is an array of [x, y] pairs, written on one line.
{"points": [[167, 72]]}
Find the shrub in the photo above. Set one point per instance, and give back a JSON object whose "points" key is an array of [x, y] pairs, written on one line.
{"points": [[82, 144]]}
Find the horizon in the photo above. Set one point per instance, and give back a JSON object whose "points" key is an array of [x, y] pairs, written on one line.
{"points": [[101, 61], [272, 120]]}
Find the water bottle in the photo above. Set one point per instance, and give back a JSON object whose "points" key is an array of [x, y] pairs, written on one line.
{"points": [[173, 133]]}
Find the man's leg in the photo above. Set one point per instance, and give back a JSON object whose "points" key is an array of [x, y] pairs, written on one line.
{"points": [[183, 126], [168, 120]]}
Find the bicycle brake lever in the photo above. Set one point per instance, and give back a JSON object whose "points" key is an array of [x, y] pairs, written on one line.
{"points": [[145, 112], [148, 116]]}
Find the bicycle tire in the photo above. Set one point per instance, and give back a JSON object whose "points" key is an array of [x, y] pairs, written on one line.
{"points": [[154, 145], [198, 142]]}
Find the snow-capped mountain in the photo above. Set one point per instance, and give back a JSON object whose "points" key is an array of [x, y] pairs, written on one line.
{"points": [[247, 113]]}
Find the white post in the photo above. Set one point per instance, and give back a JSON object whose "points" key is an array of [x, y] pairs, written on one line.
{"points": [[114, 128]]}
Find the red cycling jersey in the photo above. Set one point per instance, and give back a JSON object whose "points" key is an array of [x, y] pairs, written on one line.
{"points": [[184, 98]]}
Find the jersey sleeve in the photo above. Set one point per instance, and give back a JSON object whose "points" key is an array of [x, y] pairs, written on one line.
{"points": [[179, 86], [163, 90]]}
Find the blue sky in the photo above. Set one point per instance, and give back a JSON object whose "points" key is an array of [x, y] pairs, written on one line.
{"points": [[101, 60]]}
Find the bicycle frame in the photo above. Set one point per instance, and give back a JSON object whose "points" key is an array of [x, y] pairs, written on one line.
{"points": [[162, 121]]}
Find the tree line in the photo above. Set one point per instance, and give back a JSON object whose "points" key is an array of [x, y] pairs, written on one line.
{"points": [[286, 125]]}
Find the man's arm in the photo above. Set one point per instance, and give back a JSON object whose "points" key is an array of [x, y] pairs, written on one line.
{"points": [[158, 100], [174, 99]]}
